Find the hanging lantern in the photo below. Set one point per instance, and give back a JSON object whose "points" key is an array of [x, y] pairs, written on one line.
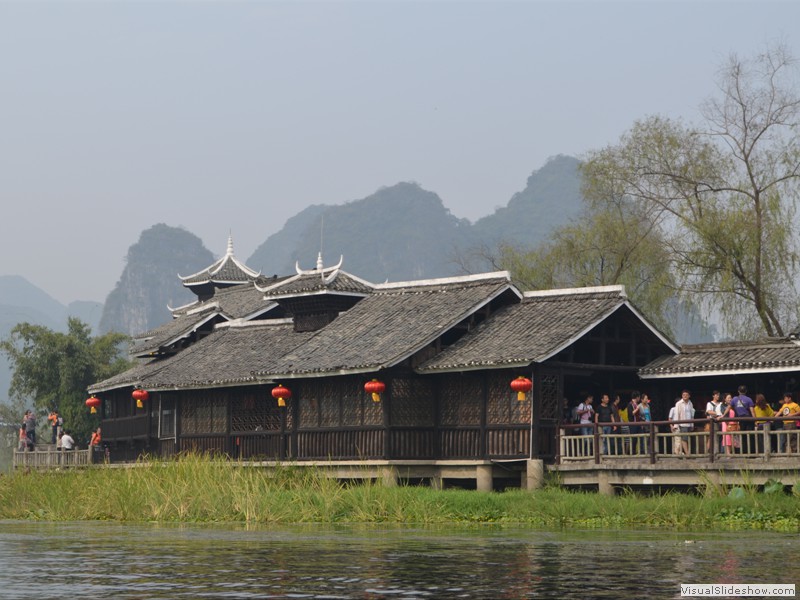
{"points": [[93, 403], [281, 394], [140, 396], [521, 385], [376, 388]]}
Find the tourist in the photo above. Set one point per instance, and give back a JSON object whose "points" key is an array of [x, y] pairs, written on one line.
{"points": [[30, 428], [645, 417], [586, 417], [789, 408], [744, 406], [23, 439], [67, 443], [55, 424], [634, 417], [684, 411], [713, 412], [606, 418], [676, 435], [622, 414], [761, 409], [96, 438], [730, 442]]}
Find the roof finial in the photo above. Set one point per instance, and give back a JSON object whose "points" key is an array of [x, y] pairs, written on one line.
{"points": [[230, 243], [319, 262]]}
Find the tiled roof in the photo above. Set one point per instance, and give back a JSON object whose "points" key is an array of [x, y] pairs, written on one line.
{"points": [[769, 355], [230, 355], [304, 284], [131, 377], [384, 328], [183, 326], [532, 331], [390, 325], [226, 270]]}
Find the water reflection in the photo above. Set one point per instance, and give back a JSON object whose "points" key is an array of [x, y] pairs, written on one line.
{"points": [[49, 560]]}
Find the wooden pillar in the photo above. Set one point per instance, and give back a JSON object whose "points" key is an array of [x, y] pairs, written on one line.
{"points": [[436, 481], [483, 475], [484, 441], [536, 412], [386, 405]]}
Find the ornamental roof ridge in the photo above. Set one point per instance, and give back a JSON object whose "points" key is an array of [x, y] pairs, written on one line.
{"points": [[321, 280], [597, 289], [207, 274], [444, 280]]}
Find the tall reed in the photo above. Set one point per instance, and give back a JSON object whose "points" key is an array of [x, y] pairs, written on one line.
{"points": [[202, 489]]}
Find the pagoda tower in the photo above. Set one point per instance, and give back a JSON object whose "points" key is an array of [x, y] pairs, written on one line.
{"points": [[225, 272]]}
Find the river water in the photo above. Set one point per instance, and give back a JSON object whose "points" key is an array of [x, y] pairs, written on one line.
{"points": [[105, 560]]}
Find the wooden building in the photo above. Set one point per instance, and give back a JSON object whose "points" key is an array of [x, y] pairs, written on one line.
{"points": [[446, 350]]}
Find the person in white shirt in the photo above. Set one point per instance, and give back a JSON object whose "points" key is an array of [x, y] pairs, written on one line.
{"points": [[684, 411], [713, 411], [67, 443]]}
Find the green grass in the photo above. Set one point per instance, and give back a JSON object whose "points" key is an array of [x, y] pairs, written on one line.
{"points": [[198, 489]]}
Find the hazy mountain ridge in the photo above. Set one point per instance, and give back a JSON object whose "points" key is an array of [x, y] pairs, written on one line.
{"points": [[400, 232], [405, 232], [149, 283]]}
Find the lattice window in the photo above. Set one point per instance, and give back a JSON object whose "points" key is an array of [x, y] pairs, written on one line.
{"points": [[412, 403], [308, 408], [204, 412], [460, 400], [373, 411], [166, 420], [503, 407], [335, 402], [256, 411], [551, 395]]}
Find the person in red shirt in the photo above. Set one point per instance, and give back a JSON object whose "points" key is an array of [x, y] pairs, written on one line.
{"points": [[96, 438]]}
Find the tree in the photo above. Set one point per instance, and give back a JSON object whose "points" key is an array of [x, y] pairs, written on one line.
{"points": [[723, 194], [608, 244], [52, 370]]}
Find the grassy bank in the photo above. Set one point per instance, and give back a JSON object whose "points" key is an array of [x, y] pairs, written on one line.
{"points": [[195, 489]]}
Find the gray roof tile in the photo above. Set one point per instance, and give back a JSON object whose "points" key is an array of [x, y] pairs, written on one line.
{"points": [[528, 332], [388, 326], [768, 355], [314, 283], [183, 326]]}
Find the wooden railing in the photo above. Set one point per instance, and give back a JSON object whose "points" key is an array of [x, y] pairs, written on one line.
{"points": [[657, 441], [54, 459]]}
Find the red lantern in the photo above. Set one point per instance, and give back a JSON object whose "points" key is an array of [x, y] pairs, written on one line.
{"points": [[281, 394], [93, 403], [140, 396], [521, 385], [376, 388]]}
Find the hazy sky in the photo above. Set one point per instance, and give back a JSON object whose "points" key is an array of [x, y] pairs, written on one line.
{"points": [[220, 116]]}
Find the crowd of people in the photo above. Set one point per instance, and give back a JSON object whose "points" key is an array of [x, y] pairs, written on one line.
{"points": [[60, 437], [629, 418]]}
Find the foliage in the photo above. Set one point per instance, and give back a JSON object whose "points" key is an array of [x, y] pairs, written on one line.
{"points": [[721, 194], [52, 370], [609, 244], [195, 488]]}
